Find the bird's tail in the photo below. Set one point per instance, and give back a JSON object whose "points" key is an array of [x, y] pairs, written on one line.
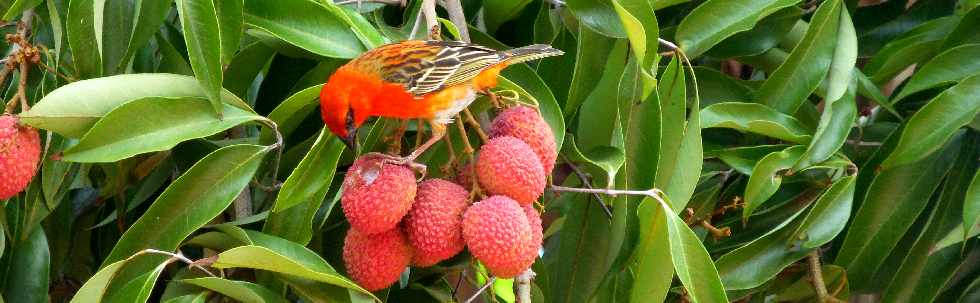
{"points": [[531, 52]]}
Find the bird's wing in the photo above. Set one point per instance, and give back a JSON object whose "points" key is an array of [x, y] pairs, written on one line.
{"points": [[426, 67]]}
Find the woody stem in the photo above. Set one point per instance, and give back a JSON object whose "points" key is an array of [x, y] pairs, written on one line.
{"points": [[476, 125]]}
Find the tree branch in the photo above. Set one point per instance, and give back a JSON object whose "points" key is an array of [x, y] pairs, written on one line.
{"points": [[524, 286]]}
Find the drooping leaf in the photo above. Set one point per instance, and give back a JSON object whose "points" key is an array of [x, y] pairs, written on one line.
{"points": [[164, 123], [935, 123], [94, 289], [149, 15], [807, 65], [230, 14], [29, 263], [834, 205], [71, 110], [767, 175], [242, 291], [766, 34], [306, 24], [971, 205], [599, 15], [84, 34], [755, 118], [199, 21], [948, 67], [893, 200], [642, 29], [652, 253], [592, 53], [713, 21], [691, 261], [918, 44], [257, 257], [835, 125]]}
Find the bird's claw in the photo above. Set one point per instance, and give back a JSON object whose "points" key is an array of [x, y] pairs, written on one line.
{"points": [[403, 161]]}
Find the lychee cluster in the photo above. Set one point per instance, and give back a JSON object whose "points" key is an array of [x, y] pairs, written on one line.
{"points": [[20, 151], [396, 222]]}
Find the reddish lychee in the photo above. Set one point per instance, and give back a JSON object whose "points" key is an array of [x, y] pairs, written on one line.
{"points": [[537, 235], [377, 195], [507, 166], [525, 123], [497, 232], [20, 151], [434, 225], [376, 261]]}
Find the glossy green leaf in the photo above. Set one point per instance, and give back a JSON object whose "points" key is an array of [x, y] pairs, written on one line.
{"points": [[291, 112], [241, 291], [257, 257], [246, 66], [761, 259], [766, 34], [716, 87], [191, 201], [582, 258], [193, 298], [755, 118], [313, 175], [593, 51], [767, 175], [807, 65], [497, 13], [164, 123], [743, 159], [231, 18], [84, 32], [965, 32], [680, 160], [949, 67], [691, 261], [642, 29], [139, 288], [652, 268], [306, 24], [28, 262], [602, 118], [971, 205], [199, 21], [71, 110], [918, 44], [844, 57], [599, 15], [145, 18], [930, 127], [17, 7], [715, 20], [821, 224], [94, 288], [893, 200], [835, 125]]}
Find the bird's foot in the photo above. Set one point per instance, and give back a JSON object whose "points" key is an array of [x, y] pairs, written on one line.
{"points": [[403, 161]]}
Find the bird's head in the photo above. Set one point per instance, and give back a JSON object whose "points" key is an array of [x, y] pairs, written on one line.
{"points": [[343, 106]]}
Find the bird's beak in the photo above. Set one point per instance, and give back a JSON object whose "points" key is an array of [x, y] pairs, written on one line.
{"points": [[351, 140]]}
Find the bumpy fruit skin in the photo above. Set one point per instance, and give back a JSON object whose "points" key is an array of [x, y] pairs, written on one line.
{"points": [[20, 151], [507, 166], [497, 233], [537, 235], [377, 195], [525, 123], [376, 261], [434, 225]]}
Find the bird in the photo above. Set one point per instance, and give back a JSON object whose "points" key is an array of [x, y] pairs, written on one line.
{"points": [[431, 80]]}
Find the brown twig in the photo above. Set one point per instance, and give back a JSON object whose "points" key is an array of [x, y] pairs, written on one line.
{"points": [[816, 276], [476, 125], [524, 286], [456, 15], [585, 180], [481, 290]]}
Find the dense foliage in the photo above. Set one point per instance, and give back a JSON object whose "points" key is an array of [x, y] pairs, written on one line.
{"points": [[756, 150]]}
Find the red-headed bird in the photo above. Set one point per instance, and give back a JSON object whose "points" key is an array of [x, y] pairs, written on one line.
{"points": [[431, 80]]}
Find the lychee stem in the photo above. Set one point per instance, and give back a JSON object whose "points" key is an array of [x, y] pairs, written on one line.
{"points": [[467, 147], [419, 130], [524, 286], [653, 193], [475, 125], [450, 163]]}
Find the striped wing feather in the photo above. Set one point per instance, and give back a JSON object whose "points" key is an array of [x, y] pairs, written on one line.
{"points": [[429, 66]]}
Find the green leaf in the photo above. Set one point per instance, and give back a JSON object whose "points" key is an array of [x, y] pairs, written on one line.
{"points": [[95, 287], [652, 268], [291, 112], [679, 165], [743, 159], [602, 118], [242, 291], [599, 15], [163, 123], [890, 205], [203, 37], [306, 24], [844, 56], [231, 17], [766, 177], [71, 110], [642, 30], [965, 31], [807, 65], [692, 262], [755, 118], [823, 222], [149, 14], [930, 127], [84, 27], [835, 125], [766, 34], [193, 298], [949, 67], [138, 289], [918, 44], [257, 257], [191, 201], [246, 66], [499, 12], [28, 263], [971, 205], [581, 257], [17, 7], [715, 20], [592, 53], [313, 175], [761, 259]]}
